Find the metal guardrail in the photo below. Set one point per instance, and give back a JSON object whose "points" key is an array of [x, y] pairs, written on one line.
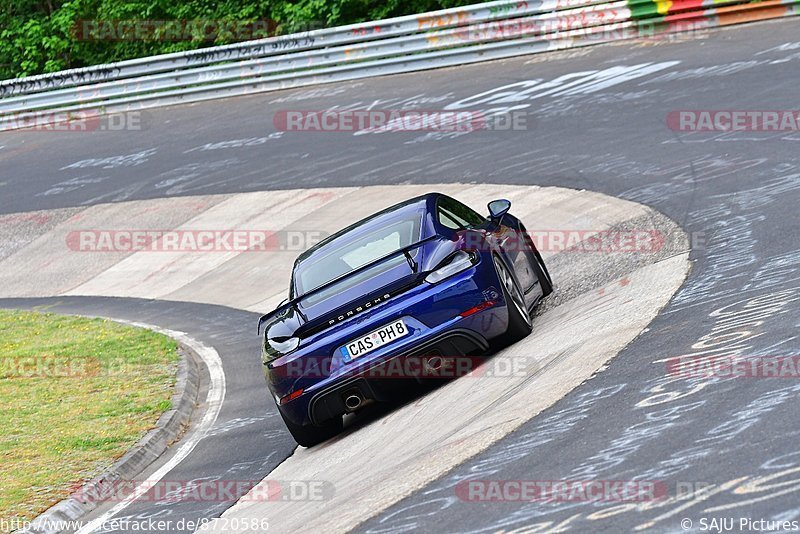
{"points": [[429, 40]]}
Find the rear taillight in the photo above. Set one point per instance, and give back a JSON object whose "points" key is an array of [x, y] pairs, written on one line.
{"points": [[480, 307], [291, 396]]}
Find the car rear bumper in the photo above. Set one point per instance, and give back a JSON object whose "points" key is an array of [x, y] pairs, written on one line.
{"points": [[370, 383]]}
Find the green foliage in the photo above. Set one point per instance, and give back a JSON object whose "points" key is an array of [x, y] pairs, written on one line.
{"points": [[38, 36]]}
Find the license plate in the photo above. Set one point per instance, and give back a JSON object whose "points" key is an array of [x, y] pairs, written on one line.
{"points": [[374, 340]]}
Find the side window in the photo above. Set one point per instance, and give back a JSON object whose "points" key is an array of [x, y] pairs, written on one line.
{"points": [[455, 215], [447, 220]]}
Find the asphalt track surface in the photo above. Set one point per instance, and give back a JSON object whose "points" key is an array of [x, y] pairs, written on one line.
{"points": [[737, 192]]}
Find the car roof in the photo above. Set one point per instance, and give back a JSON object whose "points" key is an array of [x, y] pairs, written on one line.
{"points": [[401, 210]]}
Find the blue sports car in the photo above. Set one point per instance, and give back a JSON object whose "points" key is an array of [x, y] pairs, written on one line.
{"points": [[422, 286]]}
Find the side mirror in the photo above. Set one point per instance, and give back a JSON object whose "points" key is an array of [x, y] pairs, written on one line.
{"points": [[498, 208]]}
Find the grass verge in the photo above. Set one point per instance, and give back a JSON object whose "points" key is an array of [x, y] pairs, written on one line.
{"points": [[75, 395]]}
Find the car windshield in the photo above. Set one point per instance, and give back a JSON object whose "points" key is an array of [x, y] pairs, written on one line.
{"points": [[355, 249]]}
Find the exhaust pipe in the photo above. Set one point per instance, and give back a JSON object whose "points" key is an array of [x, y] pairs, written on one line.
{"points": [[353, 401], [434, 363]]}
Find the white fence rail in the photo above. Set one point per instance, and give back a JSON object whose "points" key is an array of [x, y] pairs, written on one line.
{"points": [[449, 37]]}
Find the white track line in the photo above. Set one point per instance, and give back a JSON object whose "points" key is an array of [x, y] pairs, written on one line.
{"points": [[214, 399]]}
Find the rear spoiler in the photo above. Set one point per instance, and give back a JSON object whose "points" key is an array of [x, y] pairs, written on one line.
{"points": [[286, 306]]}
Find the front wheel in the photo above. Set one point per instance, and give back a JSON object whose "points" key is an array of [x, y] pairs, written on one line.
{"points": [[519, 320], [310, 435]]}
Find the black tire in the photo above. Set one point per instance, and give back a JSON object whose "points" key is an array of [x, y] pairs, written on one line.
{"points": [[310, 435], [545, 282], [519, 320]]}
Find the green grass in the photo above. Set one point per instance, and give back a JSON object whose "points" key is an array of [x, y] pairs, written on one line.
{"points": [[75, 395]]}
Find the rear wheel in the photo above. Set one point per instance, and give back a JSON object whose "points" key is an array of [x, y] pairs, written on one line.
{"points": [[545, 282], [519, 320], [310, 435]]}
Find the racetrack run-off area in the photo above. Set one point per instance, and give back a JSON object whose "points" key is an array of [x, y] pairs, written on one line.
{"points": [[570, 341], [597, 152]]}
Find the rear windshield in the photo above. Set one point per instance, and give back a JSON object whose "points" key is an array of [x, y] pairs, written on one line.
{"points": [[355, 249]]}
